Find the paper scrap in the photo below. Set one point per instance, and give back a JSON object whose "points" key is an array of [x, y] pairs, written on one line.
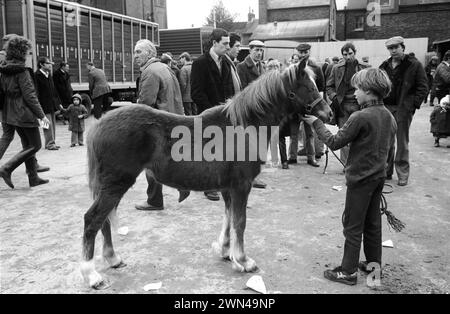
{"points": [[256, 283], [388, 243], [123, 231], [153, 286], [338, 188]]}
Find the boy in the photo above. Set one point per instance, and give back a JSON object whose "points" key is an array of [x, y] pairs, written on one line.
{"points": [[76, 114], [370, 133]]}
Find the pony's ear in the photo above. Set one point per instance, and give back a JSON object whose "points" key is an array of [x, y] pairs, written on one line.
{"points": [[302, 65]]}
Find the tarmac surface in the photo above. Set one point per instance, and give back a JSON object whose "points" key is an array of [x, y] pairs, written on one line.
{"points": [[294, 230]]}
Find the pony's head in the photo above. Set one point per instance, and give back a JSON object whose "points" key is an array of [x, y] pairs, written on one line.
{"points": [[303, 95]]}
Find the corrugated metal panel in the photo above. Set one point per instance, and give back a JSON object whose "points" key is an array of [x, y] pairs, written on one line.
{"points": [[178, 41], [292, 30], [284, 4], [13, 17]]}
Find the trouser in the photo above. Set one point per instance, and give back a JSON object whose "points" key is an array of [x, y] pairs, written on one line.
{"points": [[309, 141], [7, 138], [77, 138], [31, 144], [190, 108], [362, 217], [50, 134], [399, 156], [286, 128], [100, 104], [154, 191], [348, 106]]}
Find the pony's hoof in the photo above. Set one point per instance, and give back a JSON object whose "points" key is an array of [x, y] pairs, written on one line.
{"points": [[183, 196], [120, 265], [249, 266], [221, 251], [100, 286]]}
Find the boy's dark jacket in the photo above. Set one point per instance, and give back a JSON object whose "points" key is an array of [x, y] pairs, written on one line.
{"points": [[370, 133]]}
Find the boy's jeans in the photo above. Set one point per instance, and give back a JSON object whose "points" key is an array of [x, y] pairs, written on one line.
{"points": [[362, 217]]}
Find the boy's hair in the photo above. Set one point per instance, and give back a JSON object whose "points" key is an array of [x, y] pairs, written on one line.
{"points": [[186, 55], [374, 80]]}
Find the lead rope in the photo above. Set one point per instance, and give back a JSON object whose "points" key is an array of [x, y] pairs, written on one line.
{"points": [[393, 222]]}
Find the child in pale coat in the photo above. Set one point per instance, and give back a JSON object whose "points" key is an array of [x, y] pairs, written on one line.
{"points": [[76, 114]]}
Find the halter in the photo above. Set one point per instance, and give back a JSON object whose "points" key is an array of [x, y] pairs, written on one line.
{"points": [[308, 108]]}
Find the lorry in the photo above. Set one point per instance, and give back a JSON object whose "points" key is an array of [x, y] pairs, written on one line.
{"points": [[78, 34]]}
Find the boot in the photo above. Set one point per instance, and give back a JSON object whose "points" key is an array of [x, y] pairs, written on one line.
{"points": [[13, 163], [6, 175], [35, 180], [33, 177]]}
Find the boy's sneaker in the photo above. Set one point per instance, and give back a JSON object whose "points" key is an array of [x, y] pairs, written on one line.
{"points": [[339, 275]]}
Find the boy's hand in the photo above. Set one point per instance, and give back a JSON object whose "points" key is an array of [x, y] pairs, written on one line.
{"points": [[61, 107], [309, 119], [80, 116]]}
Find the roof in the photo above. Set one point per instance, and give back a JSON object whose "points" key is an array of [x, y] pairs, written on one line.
{"points": [[283, 4], [244, 27], [291, 30]]}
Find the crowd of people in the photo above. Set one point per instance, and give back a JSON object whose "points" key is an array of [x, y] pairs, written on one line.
{"points": [[373, 107]]}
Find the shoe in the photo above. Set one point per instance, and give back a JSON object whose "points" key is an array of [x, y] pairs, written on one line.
{"points": [[81, 144], [319, 156], [436, 143], [212, 196], [73, 145], [183, 195], [338, 275], [35, 181], [42, 168], [259, 184], [285, 165], [402, 182], [6, 175], [147, 207], [301, 152], [58, 147], [52, 148], [313, 163], [389, 178], [292, 162]]}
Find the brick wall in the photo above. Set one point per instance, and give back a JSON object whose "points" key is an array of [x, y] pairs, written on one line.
{"points": [[298, 14], [429, 21], [432, 21]]}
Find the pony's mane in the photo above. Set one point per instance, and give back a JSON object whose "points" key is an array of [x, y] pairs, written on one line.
{"points": [[258, 99]]}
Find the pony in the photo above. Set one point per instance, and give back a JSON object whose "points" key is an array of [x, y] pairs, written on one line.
{"points": [[129, 140]]}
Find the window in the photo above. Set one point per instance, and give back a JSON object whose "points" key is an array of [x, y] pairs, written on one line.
{"points": [[385, 3], [359, 22]]}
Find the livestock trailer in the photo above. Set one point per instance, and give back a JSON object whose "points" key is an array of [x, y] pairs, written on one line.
{"points": [[77, 34]]}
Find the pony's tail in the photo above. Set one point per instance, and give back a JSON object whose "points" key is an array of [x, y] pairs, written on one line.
{"points": [[93, 163]]}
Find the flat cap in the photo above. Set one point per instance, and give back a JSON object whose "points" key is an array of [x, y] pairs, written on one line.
{"points": [[303, 47], [256, 43], [394, 41]]}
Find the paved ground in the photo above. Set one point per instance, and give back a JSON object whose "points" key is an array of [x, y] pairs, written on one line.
{"points": [[293, 232]]}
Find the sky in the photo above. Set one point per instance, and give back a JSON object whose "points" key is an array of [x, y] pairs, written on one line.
{"points": [[188, 13]]}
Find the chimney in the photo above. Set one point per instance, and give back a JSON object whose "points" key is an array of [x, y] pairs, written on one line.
{"points": [[251, 15]]}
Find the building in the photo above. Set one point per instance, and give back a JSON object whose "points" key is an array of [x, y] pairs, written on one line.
{"points": [[245, 29], [150, 10], [296, 20], [406, 18]]}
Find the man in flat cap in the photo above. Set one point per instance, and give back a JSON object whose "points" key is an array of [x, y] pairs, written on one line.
{"points": [[340, 90], [252, 68], [312, 147], [249, 70], [409, 89]]}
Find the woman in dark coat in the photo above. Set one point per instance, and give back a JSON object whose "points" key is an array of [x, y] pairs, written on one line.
{"points": [[21, 110]]}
